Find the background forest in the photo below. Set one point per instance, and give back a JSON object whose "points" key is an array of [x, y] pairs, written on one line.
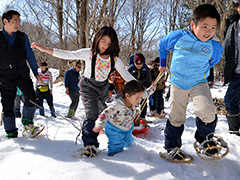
{"points": [[140, 24]]}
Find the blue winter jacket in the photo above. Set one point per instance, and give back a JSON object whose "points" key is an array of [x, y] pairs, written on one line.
{"points": [[71, 80], [192, 58]]}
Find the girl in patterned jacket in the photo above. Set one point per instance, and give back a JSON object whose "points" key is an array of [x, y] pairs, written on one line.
{"points": [[99, 62], [118, 117]]}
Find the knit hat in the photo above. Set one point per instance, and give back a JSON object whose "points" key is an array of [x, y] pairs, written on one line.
{"points": [[139, 58]]}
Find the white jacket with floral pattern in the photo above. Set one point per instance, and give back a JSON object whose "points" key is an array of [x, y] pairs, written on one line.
{"points": [[118, 114]]}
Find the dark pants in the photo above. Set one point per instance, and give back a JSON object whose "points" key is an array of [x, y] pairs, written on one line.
{"points": [[232, 103], [173, 134], [232, 97], [143, 108], [158, 102], [49, 98], [8, 94], [17, 103], [94, 95], [75, 100]]}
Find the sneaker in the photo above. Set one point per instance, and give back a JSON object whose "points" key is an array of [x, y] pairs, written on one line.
{"points": [[90, 151], [11, 135], [210, 148], [177, 154]]}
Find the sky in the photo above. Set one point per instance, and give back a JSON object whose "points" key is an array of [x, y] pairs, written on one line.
{"points": [[3, 3]]}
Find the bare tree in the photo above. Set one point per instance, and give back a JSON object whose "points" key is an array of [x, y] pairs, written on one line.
{"points": [[141, 21]]}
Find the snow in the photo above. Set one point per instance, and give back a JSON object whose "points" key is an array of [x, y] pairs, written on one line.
{"points": [[54, 155]]}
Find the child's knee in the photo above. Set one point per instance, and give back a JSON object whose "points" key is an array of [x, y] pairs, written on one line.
{"points": [[207, 116]]}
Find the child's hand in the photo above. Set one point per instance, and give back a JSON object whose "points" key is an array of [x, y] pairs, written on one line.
{"points": [[162, 69], [37, 46], [96, 129]]}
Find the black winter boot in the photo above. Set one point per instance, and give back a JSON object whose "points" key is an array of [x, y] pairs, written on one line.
{"points": [[234, 123]]}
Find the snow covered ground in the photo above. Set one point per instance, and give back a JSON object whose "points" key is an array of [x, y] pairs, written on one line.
{"points": [[54, 155]]}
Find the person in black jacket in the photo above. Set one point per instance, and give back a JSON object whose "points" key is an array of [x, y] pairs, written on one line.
{"points": [[142, 73], [15, 52], [231, 69]]}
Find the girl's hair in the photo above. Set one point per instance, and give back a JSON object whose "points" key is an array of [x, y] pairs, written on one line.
{"points": [[113, 49], [132, 87], [203, 11]]}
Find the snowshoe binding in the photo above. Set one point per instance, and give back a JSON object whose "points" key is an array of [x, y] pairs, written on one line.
{"points": [[90, 151], [212, 149], [157, 115], [11, 135], [32, 131], [176, 155]]}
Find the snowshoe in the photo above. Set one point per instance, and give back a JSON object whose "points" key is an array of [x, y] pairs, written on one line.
{"points": [[151, 114], [212, 149], [32, 131], [176, 155], [90, 151], [155, 117]]}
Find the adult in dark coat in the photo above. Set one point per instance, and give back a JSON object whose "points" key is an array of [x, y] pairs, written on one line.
{"points": [[231, 69]]}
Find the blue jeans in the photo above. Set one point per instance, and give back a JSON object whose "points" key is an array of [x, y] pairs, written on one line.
{"points": [[232, 96], [118, 139]]}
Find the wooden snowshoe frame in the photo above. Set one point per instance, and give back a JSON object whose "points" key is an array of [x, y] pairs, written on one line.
{"points": [[163, 154], [41, 126], [221, 145]]}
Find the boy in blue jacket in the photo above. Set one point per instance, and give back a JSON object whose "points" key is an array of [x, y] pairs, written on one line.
{"points": [[195, 51]]}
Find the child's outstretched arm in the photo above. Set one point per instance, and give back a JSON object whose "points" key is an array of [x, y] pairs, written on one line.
{"points": [[42, 48]]}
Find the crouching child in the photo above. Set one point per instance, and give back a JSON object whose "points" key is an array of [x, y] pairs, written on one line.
{"points": [[118, 117]]}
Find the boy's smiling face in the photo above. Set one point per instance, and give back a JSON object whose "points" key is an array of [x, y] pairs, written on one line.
{"points": [[205, 29]]}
